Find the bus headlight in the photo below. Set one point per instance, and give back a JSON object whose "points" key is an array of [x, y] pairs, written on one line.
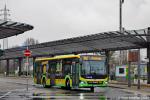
{"points": [[106, 82], [82, 82]]}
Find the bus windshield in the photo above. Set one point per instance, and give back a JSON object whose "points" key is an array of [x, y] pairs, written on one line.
{"points": [[90, 67]]}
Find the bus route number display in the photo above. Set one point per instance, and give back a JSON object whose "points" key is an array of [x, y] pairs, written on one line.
{"points": [[92, 58]]}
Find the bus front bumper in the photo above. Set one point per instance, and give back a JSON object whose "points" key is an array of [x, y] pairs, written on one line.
{"points": [[87, 85]]}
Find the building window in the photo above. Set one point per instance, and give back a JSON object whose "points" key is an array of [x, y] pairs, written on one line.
{"points": [[121, 70]]}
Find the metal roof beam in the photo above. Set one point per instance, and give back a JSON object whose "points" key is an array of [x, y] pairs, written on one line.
{"points": [[140, 36]]}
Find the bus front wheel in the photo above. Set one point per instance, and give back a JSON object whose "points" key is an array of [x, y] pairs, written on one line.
{"points": [[68, 84]]}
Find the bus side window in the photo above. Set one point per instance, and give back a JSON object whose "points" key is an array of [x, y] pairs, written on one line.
{"points": [[35, 67], [59, 68], [44, 69], [52, 67], [47, 67], [38, 69]]}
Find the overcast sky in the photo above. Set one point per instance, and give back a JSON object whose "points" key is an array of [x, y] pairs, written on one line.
{"points": [[59, 19]]}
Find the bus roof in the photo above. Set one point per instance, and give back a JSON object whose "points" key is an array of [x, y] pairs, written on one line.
{"points": [[58, 57]]}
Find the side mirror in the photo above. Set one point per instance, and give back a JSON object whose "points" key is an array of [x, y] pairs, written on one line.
{"points": [[1, 52], [80, 63]]}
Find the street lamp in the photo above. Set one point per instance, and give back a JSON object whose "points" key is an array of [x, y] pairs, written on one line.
{"points": [[120, 15]]}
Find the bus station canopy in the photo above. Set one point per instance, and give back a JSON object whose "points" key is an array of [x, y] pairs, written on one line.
{"points": [[105, 41], [10, 28]]}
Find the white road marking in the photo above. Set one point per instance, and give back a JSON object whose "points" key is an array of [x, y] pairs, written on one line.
{"points": [[5, 94]]}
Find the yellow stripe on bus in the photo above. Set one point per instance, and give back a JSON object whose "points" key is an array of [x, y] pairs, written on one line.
{"points": [[58, 57]]}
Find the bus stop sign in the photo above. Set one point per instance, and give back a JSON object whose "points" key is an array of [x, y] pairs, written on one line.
{"points": [[27, 53]]}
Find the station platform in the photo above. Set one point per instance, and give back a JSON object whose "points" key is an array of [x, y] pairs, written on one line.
{"points": [[144, 88]]}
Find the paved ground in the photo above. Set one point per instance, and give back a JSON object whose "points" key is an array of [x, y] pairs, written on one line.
{"points": [[144, 88], [15, 89]]}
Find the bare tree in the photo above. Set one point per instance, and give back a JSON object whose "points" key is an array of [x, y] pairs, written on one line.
{"points": [[30, 41], [15, 46]]}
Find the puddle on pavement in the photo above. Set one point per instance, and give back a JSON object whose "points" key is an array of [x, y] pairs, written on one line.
{"points": [[75, 94], [80, 96], [69, 96], [2, 93]]}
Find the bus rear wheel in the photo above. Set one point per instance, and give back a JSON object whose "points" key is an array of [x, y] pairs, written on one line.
{"points": [[68, 84]]}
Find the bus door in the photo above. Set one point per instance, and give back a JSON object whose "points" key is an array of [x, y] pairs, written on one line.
{"points": [[75, 74], [52, 73], [39, 74]]}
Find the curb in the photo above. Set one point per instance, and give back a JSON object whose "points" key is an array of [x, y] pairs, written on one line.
{"points": [[116, 87], [22, 83], [144, 85], [15, 77]]}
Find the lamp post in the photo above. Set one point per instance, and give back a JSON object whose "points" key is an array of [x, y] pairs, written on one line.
{"points": [[120, 15], [138, 70], [120, 25]]}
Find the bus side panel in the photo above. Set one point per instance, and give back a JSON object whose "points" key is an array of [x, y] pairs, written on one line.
{"points": [[60, 82], [35, 80], [48, 82]]}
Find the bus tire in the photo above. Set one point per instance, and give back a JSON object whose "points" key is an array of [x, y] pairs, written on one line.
{"points": [[68, 84], [92, 89], [44, 83]]}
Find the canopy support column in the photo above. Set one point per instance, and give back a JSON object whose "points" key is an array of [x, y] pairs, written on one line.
{"points": [[107, 63], [129, 74], [148, 64], [7, 67], [148, 57], [20, 60]]}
